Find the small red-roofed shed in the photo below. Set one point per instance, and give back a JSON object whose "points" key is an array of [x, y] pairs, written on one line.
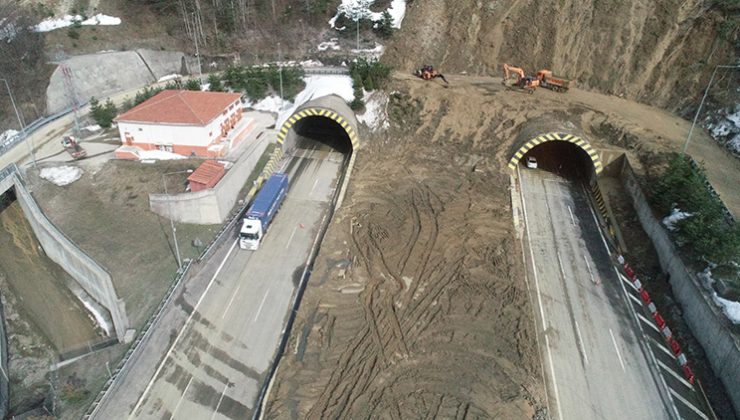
{"points": [[206, 176]]}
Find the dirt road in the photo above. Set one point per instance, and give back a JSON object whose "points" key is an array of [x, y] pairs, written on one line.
{"points": [[418, 305]]}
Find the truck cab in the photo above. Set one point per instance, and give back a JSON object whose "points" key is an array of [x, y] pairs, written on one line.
{"points": [[250, 234]]}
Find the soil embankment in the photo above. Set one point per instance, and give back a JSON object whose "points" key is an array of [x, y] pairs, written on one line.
{"points": [[40, 285]]}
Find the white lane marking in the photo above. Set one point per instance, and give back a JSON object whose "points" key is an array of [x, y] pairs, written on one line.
{"points": [[231, 301], [315, 183], [621, 362], [688, 404], [180, 334], [580, 341], [261, 304], [675, 375], [571, 216], [172, 416], [649, 322], [635, 299], [539, 297], [590, 273], [560, 264], [554, 382], [291, 237], [215, 410], [663, 348]]}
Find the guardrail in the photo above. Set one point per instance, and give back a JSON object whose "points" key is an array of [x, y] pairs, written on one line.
{"points": [[35, 125], [8, 171], [313, 71]]}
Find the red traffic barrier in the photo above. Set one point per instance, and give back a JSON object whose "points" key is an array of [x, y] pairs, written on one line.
{"points": [[659, 320], [645, 296], [675, 347], [629, 271], [688, 374]]}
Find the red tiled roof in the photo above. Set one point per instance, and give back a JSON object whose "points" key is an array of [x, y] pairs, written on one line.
{"points": [[208, 173], [180, 107]]}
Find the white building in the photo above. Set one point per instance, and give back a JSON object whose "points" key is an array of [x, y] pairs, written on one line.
{"points": [[189, 123]]}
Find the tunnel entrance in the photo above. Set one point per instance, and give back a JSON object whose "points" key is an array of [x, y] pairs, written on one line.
{"points": [[565, 154], [317, 132], [562, 158]]}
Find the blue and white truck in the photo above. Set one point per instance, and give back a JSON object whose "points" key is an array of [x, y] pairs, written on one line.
{"points": [[263, 209]]}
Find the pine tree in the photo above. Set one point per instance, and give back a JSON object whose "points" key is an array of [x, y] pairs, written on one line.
{"points": [[214, 82], [192, 84]]}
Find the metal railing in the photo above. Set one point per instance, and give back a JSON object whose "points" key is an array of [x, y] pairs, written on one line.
{"points": [[35, 125]]}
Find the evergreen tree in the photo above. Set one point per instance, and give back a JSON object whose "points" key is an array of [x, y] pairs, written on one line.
{"points": [[214, 82], [192, 84], [385, 27]]}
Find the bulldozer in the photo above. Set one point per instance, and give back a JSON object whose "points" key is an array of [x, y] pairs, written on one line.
{"points": [[523, 81], [72, 146], [427, 72]]}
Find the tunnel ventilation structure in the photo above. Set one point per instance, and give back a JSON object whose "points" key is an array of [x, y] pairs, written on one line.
{"points": [[318, 112], [581, 143]]}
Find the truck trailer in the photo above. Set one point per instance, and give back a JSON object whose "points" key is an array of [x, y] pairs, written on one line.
{"points": [[263, 209]]}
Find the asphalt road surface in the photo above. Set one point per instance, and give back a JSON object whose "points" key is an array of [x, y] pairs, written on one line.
{"points": [[599, 361], [214, 366]]}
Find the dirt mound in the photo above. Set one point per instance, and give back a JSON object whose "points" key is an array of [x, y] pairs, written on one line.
{"points": [[653, 53], [415, 307]]}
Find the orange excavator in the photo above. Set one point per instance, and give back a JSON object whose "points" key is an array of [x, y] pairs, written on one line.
{"points": [[522, 80]]}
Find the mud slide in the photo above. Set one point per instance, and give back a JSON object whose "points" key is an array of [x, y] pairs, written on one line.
{"points": [[39, 285]]}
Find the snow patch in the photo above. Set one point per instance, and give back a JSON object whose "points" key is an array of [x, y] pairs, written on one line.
{"points": [[61, 175], [271, 103], [375, 115], [92, 128], [69, 20], [729, 307], [332, 44], [7, 137], [724, 127], [676, 216], [372, 52], [173, 76], [158, 155], [96, 310], [360, 9], [316, 87]]}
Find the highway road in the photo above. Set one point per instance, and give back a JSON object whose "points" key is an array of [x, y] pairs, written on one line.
{"points": [[599, 359], [214, 366]]}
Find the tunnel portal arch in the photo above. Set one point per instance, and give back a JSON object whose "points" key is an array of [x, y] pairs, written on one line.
{"points": [[581, 143], [318, 112]]}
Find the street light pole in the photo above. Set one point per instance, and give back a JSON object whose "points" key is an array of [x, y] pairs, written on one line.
{"points": [[20, 122], [197, 53], [172, 221], [280, 63], [701, 104]]}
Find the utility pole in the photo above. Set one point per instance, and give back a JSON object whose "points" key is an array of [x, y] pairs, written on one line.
{"points": [[280, 63], [172, 221], [197, 53], [701, 104], [20, 122]]}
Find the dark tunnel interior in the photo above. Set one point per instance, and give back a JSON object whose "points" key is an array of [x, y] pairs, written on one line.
{"points": [[563, 158], [325, 131]]}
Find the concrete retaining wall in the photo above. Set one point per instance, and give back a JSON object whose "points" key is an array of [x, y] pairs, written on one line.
{"points": [[708, 324], [88, 274], [211, 206], [4, 384], [104, 74]]}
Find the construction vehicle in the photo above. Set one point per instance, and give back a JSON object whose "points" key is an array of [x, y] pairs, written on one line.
{"points": [[72, 146], [522, 80], [552, 82], [262, 211], [427, 72]]}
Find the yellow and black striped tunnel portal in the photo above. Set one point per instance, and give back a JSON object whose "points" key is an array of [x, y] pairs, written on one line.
{"points": [[317, 112], [570, 138]]}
